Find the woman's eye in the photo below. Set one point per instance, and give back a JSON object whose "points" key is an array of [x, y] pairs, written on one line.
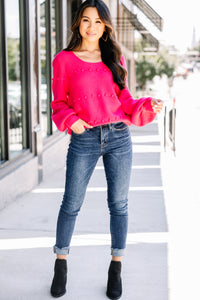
{"points": [[85, 20], [98, 22]]}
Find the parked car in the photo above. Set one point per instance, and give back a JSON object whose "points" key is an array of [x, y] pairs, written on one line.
{"points": [[15, 116], [181, 71], [14, 102]]}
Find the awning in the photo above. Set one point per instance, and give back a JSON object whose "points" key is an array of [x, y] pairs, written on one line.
{"points": [[147, 36], [128, 22], [127, 25], [149, 12]]}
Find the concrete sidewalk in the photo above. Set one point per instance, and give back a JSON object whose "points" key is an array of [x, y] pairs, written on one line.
{"points": [[27, 234]]}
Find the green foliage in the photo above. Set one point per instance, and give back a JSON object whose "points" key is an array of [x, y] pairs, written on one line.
{"points": [[145, 71], [164, 68], [140, 44], [165, 63], [43, 58], [13, 59], [149, 66]]}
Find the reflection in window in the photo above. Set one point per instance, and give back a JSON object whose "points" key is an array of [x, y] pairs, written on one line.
{"points": [[53, 38], [43, 88], [14, 77], [53, 22], [1, 140]]}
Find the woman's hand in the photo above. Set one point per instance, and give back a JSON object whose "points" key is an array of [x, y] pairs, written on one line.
{"points": [[79, 126], [157, 105]]}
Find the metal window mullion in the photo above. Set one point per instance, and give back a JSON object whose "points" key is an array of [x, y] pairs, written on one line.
{"points": [[25, 72], [124, 40], [61, 24], [4, 108], [63, 12], [38, 83], [58, 24], [118, 24], [48, 63]]}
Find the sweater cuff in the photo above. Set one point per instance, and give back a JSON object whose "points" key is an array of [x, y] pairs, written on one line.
{"points": [[71, 120], [147, 105]]}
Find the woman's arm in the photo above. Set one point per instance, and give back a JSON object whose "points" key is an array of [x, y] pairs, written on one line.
{"points": [[63, 115], [141, 111]]}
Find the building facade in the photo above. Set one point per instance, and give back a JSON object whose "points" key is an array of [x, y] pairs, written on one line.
{"points": [[31, 33]]}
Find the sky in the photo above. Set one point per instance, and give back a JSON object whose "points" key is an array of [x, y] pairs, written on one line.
{"points": [[179, 19]]}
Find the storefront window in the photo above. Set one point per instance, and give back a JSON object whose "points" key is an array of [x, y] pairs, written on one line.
{"points": [[53, 22], [14, 77], [53, 38], [43, 61], [46, 118], [1, 140]]}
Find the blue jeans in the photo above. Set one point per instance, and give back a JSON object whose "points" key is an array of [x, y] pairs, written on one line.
{"points": [[113, 143]]}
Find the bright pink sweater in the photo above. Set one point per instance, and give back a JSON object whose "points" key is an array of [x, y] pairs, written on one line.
{"points": [[84, 90]]}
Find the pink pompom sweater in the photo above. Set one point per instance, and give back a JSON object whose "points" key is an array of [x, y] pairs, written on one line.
{"points": [[85, 90]]}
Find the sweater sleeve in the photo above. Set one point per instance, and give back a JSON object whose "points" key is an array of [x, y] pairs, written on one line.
{"points": [[62, 115], [140, 110]]}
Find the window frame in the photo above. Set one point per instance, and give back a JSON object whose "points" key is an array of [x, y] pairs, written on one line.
{"points": [[25, 82], [25, 74], [31, 111], [49, 54], [4, 114], [48, 16]]}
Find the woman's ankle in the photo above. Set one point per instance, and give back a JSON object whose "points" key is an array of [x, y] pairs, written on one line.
{"points": [[117, 258], [61, 256]]}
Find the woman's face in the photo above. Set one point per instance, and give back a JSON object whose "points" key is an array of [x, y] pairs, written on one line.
{"points": [[91, 27]]}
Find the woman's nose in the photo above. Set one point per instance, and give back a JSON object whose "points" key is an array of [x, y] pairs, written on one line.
{"points": [[91, 25]]}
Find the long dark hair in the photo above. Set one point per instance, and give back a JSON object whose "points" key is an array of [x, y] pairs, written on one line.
{"points": [[110, 50]]}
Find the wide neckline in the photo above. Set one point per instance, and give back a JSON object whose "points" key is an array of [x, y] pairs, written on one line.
{"points": [[87, 62]]}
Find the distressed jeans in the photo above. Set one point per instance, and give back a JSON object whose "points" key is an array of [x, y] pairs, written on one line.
{"points": [[113, 143]]}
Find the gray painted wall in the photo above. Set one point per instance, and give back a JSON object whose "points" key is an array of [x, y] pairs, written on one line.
{"points": [[25, 177]]}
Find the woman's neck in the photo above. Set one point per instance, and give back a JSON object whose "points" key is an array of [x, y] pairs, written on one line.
{"points": [[89, 47]]}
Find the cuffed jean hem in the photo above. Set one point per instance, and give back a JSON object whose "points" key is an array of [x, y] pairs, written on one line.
{"points": [[117, 252], [61, 251]]}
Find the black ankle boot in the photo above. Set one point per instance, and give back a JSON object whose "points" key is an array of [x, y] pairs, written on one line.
{"points": [[58, 287], [114, 285]]}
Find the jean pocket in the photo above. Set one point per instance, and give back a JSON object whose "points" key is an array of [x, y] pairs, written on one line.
{"points": [[79, 134], [119, 126]]}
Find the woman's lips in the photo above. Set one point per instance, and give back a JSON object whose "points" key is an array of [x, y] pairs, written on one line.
{"points": [[91, 34]]}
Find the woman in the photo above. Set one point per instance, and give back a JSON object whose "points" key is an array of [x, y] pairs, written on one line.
{"points": [[93, 103]]}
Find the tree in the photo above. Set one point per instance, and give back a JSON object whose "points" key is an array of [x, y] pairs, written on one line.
{"points": [[164, 67], [147, 67], [13, 59], [145, 71]]}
